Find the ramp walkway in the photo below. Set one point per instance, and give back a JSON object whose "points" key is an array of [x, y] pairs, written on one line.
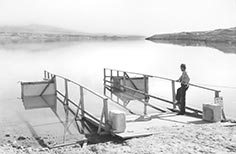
{"points": [[125, 91]]}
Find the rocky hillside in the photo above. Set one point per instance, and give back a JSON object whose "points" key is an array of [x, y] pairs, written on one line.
{"points": [[220, 39], [219, 35]]}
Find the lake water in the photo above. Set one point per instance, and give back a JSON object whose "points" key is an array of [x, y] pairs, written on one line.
{"points": [[84, 62]]}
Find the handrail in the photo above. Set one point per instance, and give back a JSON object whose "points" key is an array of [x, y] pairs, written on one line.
{"points": [[202, 87], [151, 96], [104, 114], [93, 92], [158, 98], [89, 114], [168, 79], [142, 100]]}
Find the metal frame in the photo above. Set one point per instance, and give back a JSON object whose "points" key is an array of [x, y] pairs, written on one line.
{"points": [[103, 122], [81, 103], [125, 75]]}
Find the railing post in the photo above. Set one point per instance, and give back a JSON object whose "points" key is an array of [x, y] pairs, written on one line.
{"points": [[45, 74], [55, 84], [82, 101], [111, 75], [66, 92], [118, 100], [124, 82], [145, 96], [100, 123], [217, 94], [105, 107], [173, 93], [104, 81]]}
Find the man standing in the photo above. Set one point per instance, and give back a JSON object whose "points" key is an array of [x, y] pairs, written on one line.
{"points": [[181, 92]]}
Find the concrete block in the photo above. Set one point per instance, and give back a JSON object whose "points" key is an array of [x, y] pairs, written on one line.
{"points": [[212, 112], [118, 121]]}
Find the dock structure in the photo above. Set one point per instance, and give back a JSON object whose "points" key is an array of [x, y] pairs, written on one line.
{"points": [[123, 87], [124, 91]]}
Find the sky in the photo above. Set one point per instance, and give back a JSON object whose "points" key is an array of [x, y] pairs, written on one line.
{"points": [[140, 17]]}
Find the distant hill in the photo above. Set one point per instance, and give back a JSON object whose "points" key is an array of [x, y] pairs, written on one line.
{"points": [[219, 35], [42, 33], [33, 28], [221, 39]]}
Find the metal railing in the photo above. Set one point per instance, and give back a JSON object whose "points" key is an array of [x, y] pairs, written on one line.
{"points": [[80, 106], [102, 121], [110, 73]]}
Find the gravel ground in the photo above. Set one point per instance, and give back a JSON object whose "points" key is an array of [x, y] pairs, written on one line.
{"points": [[192, 138]]}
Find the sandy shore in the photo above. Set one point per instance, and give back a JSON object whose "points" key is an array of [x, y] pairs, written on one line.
{"points": [[191, 138]]}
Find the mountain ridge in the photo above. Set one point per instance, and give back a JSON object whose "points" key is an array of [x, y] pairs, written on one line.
{"points": [[218, 35], [221, 39]]}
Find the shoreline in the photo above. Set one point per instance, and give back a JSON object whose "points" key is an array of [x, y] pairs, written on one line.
{"points": [[220, 39], [188, 138]]}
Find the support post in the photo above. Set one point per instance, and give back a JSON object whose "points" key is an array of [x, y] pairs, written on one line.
{"points": [[66, 92], [55, 84], [111, 75], [100, 123], [217, 94], [124, 82], [145, 96], [45, 75], [82, 101], [105, 107], [173, 93], [104, 81], [118, 100]]}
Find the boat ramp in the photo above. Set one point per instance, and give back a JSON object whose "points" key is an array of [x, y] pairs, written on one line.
{"points": [[127, 92]]}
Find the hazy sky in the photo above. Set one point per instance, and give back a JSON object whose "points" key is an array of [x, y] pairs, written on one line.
{"points": [[143, 17]]}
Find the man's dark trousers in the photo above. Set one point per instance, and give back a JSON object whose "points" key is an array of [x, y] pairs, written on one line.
{"points": [[180, 97]]}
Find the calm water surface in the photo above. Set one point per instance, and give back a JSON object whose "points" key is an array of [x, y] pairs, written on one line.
{"points": [[84, 63]]}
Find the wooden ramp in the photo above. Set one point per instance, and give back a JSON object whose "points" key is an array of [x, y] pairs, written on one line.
{"points": [[137, 126]]}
